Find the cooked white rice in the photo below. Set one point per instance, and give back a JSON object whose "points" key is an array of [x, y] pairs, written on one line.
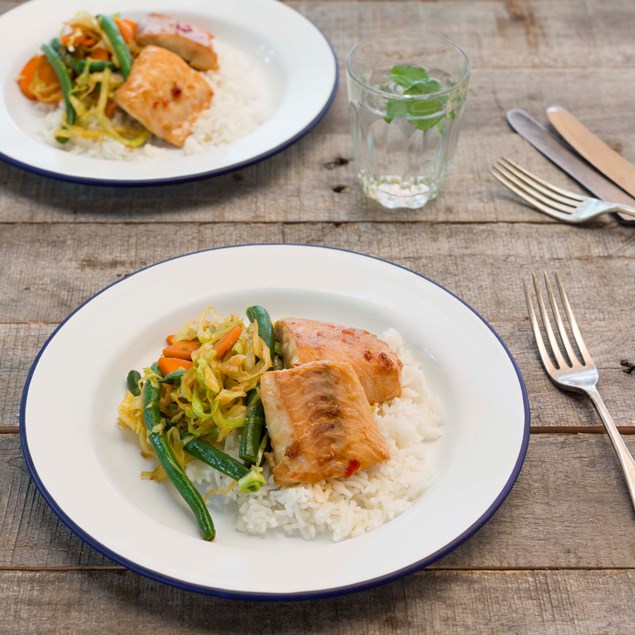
{"points": [[241, 103], [343, 508]]}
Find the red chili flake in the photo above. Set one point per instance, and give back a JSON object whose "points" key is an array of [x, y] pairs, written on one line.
{"points": [[165, 103], [176, 90], [353, 466], [155, 104]]}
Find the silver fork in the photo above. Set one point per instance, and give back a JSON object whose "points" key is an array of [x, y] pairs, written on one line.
{"points": [[556, 202], [570, 372]]}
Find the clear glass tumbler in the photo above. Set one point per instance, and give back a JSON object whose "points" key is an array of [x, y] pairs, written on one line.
{"points": [[406, 96]]}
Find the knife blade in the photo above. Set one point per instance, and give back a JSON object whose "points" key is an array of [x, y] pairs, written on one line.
{"points": [[552, 148], [592, 148]]}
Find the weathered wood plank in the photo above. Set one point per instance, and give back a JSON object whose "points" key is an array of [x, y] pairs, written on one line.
{"points": [[18, 347], [483, 264], [568, 486], [550, 602]]}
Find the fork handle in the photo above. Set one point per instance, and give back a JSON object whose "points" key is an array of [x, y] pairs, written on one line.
{"points": [[627, 210], [625, 457]]}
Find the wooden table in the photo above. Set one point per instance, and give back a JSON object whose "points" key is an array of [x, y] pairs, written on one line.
{"points": [[559, 555]]}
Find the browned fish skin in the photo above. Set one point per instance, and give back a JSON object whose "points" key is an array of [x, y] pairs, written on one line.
{"points": [[189, 42], [376, 365], [164, 94], [320, 423]]}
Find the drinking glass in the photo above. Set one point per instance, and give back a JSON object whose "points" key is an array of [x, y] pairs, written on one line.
{"points": [[406, 96]]}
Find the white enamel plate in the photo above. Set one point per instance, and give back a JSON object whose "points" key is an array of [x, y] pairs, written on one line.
{"points": [[293, 55], [87, 468]]}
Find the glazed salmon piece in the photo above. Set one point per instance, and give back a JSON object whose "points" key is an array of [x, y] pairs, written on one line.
{"points": [[164, 94], [189, 42], [376, 365], [320, 423]]}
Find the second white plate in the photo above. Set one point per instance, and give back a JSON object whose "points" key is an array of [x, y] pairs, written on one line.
{"points": [[296, 58]]}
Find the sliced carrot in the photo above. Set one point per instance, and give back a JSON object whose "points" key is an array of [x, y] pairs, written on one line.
{"points": [[128, 29], [27, 75], [38, 80], [100, 54], [79, 38], [111, 106], [228, 340], [170, 339], [182, 349], [168, 365], [47, 73]]}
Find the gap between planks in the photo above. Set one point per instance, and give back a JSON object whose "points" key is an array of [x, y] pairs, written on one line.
{"points": [[364, 221]]}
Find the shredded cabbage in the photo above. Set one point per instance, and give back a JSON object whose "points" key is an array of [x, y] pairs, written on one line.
{"points": [[211, 400], [93, 90]]}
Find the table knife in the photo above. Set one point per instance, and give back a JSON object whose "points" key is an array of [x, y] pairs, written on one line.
{"points": [[552, 148], [592, 148]]}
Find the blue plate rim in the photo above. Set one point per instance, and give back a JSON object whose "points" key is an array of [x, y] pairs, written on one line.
{"points": [[282, 597]]}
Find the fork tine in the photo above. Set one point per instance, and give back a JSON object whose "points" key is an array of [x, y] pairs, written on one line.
{"points": [[555, 348], [499, 176], [532, 181], [531, 189], [542, 349], [561, 329], [577, 336], [548, 186]]}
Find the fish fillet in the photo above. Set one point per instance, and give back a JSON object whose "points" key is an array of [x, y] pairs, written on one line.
{"points": [[376, 365], [320, 423], [164, 94], [189, 42]]}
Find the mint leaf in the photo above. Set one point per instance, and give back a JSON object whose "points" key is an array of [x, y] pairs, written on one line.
{"points": [[417, 112], [426, 124], [424, 88], [425, 108], [396, 109], [407, 75]]}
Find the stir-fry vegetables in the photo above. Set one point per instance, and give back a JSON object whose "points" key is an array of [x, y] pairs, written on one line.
{"points": [[168, 460], [202, 388], [84, 66]]}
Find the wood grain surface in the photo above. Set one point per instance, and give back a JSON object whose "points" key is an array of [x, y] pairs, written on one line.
{"points": [[559, 554]]}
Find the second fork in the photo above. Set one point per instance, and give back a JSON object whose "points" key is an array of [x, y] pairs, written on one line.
{"points": [[554, 201], [574, 371]]}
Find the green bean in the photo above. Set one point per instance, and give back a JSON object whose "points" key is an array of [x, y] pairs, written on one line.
{"points": [[255, 418], [119, 46], [65, 81], [133, 382], [173, 377], [165, 455], [219, 460], [252, 430], [259, 314], [79, 66], [248, 480]]}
